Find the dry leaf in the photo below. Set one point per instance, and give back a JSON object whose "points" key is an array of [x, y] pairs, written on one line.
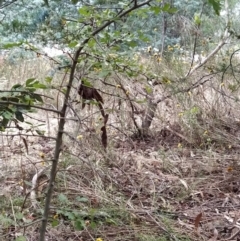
{"points": [[184, 183], [197, 221]]}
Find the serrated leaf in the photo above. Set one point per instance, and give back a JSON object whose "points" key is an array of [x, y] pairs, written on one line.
{"points": [[70, 215], [62, 198], [79, 224]]}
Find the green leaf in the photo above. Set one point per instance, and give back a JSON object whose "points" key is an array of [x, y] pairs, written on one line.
{"points": [[197, 19], [91, 43], [3, 124], [39, 86], [74, 1], [21, 238], [85, 11], [172, 10], [216, 4], [27, 98], [11, 45], [73, 44], [19, 116], [64, 90], [19, 216], [79, 224], [156, 9], [104, 73], [37, 97], [82, 199], [132, 43], [166, 7], [62, 198], [48, 79], [7, 115], [55, 223], [13, 108], [148, 89], [85, 82], [70, 215], [93, 225], [29, 81], [40, 133], [16, 86], [46, 3]]}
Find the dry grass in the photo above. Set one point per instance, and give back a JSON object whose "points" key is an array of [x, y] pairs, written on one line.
{"points": [[151, 189]]}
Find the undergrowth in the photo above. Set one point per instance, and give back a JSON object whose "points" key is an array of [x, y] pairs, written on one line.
{"points": [[141, 189]]}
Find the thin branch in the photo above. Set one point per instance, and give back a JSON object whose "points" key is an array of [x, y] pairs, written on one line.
{"points": [[192, 87], [195, 40], [7, 4], [219, 46], [20, 134]]}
